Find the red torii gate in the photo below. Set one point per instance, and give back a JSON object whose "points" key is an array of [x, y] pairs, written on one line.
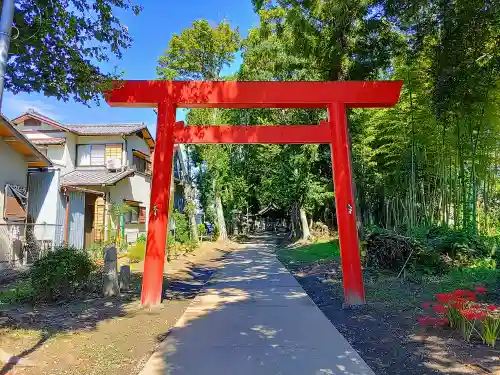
{"points": [[335, 96]]}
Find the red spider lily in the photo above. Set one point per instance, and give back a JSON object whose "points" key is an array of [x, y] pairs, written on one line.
{"points": [[444, 298], [466, 294], [440, 309], [473, 314], [426, 305], [481, 290], [475, 306], [459, 303], [470, 295], [492, 307]]}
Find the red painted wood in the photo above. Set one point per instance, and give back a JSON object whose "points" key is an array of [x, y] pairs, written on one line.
{"points": [[238, 94], [195, 94], [345, 205], [158, 213], [280, 134]]}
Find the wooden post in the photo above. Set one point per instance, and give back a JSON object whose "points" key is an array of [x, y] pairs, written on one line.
{"points": [[159, 207], [346, 214]]}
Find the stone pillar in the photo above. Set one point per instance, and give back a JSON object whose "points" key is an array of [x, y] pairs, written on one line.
{"points": [[124, 278], [110, 286]]}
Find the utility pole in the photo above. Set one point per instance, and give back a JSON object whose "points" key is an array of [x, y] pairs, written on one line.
{"points": [[5, 31]]}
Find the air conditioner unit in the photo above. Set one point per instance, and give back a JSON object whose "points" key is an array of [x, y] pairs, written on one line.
{"points": [[113, 164]]}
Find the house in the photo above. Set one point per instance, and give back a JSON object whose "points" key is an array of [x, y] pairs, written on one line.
{"points": [[17, 156], [99, 185]]}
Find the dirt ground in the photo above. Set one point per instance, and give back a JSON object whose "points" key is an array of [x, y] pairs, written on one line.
{"points": [[102, 335], [386, 334]]}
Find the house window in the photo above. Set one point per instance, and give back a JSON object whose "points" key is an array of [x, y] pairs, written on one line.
{"points": [[141, 164], [96, 155], [132, 216], [32, 122], [114, 152]]}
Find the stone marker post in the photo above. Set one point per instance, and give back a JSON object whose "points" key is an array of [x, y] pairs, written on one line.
{"points": [[110, 286], [124, 277]]}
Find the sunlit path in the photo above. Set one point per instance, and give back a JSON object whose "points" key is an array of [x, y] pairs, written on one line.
{"points": [[254, 318]]}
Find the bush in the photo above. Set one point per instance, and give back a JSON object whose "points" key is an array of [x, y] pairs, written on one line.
{"points": [[19, 293], [60, 273], [215, 233], [137, 252], [202, 229], [389, 250], [96, 251], [181, 232], [434, 250], [462, 247], [141, 238]]}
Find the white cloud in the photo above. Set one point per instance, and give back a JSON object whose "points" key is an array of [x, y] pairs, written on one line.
{"points": [[14, 106]]}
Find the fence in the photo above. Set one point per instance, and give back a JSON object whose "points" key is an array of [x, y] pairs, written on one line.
{"points": [[22, 243]]}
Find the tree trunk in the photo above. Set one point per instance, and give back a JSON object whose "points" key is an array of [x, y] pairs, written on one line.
{"points": [[221, 222], [304, 224], [188, 194]]}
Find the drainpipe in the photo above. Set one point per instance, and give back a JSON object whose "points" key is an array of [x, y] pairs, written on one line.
{"points": [[125, 162], [66, 220]]}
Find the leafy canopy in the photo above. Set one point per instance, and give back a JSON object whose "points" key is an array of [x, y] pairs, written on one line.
{"points": [[199, 52], [61, 44]]}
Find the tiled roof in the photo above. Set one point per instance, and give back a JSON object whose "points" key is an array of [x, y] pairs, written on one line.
{"points": [[49, 141], [95, 177], [93, 129], [105, 129]]}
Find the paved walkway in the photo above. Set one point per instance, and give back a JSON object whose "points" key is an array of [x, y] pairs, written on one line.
{"points": [[253, 318]]}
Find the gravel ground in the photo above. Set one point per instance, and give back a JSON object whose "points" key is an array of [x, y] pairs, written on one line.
{"points": [[101, 335], [386, 334]]}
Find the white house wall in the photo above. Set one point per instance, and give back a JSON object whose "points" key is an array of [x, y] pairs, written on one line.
{"points": [[69, 153], [136, 188], [13, 170], [136, 143], [43, 200]]}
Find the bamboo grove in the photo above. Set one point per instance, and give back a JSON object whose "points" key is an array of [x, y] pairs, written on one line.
{"points": [[432, 160]]}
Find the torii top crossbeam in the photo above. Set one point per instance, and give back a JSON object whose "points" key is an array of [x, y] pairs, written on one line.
{"points": [[335, 96], [248, 94]]}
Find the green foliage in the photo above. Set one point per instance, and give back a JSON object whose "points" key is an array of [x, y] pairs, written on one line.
{"points": [[96, 251], [463, 247], [64, 46], [19, 293], [137, 252], [432, 250], [202, 228], [199, 52], [60, 273], [141, 238], [181, 227], [215, 233]]}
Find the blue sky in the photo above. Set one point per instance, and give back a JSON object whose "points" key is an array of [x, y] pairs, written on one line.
{"points": [[151, 31]]}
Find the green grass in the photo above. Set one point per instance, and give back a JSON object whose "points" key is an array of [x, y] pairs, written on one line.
{"points": [[17, 293], [319, 251]]}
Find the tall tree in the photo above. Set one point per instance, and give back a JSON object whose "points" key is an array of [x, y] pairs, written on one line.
{"points": [[200, 53], [58, 46]]}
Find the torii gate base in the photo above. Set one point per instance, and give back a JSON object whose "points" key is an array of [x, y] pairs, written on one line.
{"points": [[335, 96]]}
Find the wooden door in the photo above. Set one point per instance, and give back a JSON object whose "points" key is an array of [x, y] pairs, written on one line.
{"points": [[89, 219]]}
